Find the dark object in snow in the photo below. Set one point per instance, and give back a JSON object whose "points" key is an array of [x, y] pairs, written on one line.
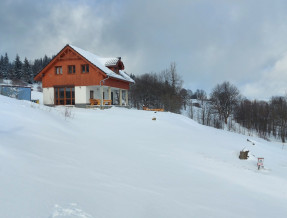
{"points": [[243, 155], [35, 101], [251, 142], [153, 118], [196, 105]]}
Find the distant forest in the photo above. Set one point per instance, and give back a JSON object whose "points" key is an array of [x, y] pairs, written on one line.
{"points": [[21, 71], [224, 108]]}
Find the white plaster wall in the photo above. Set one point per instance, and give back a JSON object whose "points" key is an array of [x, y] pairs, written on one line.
{"points": [[48, 95], [96, 89], [97, 92], [81, 95]]}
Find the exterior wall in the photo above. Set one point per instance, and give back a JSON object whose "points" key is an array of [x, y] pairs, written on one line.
{"points": [[69, 57], [117, 84], [81, 95], [48, 96], [78, 79]]}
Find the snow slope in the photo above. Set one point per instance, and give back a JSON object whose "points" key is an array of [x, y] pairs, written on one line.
{"points": [[120, 163]]}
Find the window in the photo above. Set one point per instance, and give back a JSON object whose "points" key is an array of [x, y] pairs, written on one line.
{"points": [[71, 69], [91, 94], [58, 70], [85, 68], [64, 95]]}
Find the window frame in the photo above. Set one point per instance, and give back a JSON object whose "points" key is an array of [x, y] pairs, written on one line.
{"points": [[72, 68], [60, 71], [85, 68], [91, 94], [63, 100]]}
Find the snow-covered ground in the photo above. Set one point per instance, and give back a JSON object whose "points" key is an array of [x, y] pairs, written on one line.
{"points": [[121, 163]]}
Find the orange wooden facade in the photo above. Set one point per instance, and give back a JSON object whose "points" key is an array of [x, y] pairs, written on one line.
{"points": [[69, 57]]}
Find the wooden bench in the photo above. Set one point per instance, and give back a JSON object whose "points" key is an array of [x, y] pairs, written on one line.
{"points": [[95, 102], [98, 102], [107, 102], [158, 109]]}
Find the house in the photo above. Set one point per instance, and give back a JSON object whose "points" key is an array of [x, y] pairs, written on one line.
{"points": [[16, 91], [77, 77]]}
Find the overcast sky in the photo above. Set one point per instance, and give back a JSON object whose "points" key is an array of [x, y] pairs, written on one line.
{"points": [[211, 41]]}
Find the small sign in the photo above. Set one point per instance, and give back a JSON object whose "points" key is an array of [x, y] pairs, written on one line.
{"points": [[260, 162]]}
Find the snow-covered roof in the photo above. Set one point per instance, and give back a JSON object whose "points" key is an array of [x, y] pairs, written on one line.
{"points": [[109, 61], [101, 63]]}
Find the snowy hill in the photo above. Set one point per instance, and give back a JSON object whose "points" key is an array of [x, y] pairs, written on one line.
{"points": [[121, 163]]}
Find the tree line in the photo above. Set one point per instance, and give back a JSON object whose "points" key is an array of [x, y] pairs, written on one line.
{"points": [[266, 118], [224, 107], [161, 90], [21, 71]]}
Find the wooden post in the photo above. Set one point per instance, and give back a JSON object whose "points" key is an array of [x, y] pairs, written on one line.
{"points": [[101, 93], [121, 97], [127, 98], [109, 93]]}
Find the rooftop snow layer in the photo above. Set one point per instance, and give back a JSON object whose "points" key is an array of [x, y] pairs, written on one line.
{"points": [[109, 61], [101, 63]]}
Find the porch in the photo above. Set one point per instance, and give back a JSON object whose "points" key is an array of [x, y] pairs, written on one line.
{"points": [[107, 96], [82, 96]]}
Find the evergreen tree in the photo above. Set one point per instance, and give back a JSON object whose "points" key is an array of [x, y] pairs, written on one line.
{"points": [[37, 66], [6, 67], [1, 67], [46, 61], [27, 72], [17, 73]]}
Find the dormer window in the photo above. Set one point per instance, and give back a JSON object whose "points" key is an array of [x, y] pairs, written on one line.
{"points": [[58, 70]]}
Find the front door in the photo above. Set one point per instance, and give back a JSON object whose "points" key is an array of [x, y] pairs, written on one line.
{"points": [[112, 97]]}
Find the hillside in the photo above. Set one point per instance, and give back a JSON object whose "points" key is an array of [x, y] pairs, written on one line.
{"points": [[120, 163]]}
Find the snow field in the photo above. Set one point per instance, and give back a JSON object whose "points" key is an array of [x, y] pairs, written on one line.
{"points": [[120, 163]]}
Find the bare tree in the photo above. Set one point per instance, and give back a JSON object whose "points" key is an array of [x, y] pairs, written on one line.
{"points": [[200, 95], [224, 98], [279, 115]]}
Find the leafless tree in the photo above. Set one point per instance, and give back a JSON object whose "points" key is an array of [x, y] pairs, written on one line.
{"points": [[224, 98]]}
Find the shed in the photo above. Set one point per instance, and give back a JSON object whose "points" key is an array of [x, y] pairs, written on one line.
{"points": [[15, 91]]}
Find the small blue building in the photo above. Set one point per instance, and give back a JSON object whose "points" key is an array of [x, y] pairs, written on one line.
{"points": [[18, 92]]}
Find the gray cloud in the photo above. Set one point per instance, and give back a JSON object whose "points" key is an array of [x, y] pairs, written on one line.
{"points": [[211, 41]]}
